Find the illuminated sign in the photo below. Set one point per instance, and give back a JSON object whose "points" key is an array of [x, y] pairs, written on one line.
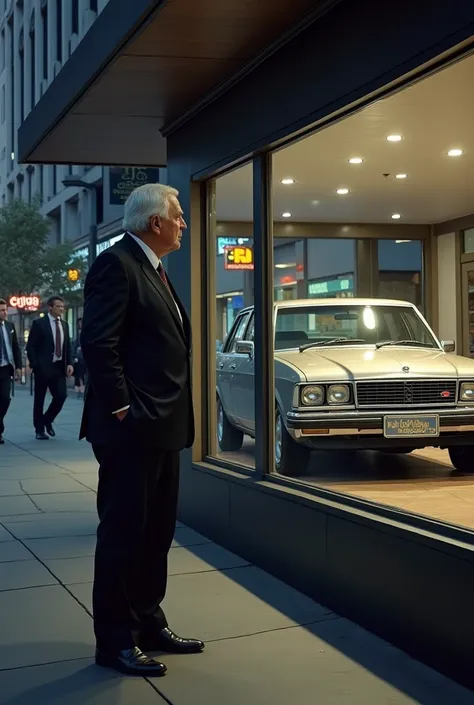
{"points": [[26, 303], [223, 242], [238, 258], [73, 275], [124, 180]]}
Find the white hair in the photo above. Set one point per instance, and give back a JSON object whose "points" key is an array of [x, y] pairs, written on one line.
{"points": [[143, 203]]}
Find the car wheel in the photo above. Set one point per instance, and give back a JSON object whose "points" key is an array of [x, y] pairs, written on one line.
{"points": [[291, 458], [228, 437], [462, 457]]}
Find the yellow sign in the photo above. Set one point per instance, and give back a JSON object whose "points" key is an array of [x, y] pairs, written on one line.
{"points": [[236, 257], [73, 275]]}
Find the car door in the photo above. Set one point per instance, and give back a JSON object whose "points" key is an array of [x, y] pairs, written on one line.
{"points": [[243, 384], [227, 361]]}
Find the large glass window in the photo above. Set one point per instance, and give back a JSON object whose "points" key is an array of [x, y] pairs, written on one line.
{"points": [[231, 342]]}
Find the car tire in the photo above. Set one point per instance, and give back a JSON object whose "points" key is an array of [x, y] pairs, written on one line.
{"points": [[291, 458], [228, 437], [462, 457]]}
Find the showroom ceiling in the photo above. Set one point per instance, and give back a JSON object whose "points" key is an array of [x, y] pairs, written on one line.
{"points": [[432, 117]]}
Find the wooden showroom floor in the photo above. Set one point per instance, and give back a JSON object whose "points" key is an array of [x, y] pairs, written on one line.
{"points": [[424, 482]]}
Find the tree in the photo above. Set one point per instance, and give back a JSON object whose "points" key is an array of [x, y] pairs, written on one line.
{"points": [[56, 262], [23, 242]]}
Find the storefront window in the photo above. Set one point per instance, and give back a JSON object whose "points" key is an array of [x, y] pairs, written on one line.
{"points": [[232, 346], [400, 265], [468, 240]]}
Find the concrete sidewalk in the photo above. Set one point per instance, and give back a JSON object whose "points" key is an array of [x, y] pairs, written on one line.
{"points": [[265, 642]]}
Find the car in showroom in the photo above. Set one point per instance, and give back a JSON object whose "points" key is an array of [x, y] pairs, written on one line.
{"points": [[349, 374]]}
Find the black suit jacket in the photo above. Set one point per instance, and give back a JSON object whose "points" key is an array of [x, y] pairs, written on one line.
{"points": [[137, 352], [40, 347], [14, 344]]}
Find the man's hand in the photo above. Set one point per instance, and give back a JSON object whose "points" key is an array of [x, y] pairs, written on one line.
{"points": [[18, 375], [121, 414], [70, 370]]}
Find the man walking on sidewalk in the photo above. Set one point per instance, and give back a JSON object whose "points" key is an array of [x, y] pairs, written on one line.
{"points": [[10, 362], [49, 353], [138, 415]]}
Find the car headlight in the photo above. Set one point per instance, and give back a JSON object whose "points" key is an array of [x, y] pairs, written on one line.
{"points": [[466, 392], [312, 395], [338, 394]]}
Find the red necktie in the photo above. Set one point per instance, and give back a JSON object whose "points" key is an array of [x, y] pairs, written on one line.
{"points": [[57, 345], [163, 277]]}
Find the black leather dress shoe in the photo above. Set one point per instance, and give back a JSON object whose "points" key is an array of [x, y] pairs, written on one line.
{"points": [[2, 441], [133, 662], [50, 430], [42, 436], [168, 641]]}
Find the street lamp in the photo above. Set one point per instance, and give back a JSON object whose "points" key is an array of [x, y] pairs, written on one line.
{"points": [[79, 183]]}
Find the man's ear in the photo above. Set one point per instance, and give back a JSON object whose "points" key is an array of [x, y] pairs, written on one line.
{"points": [[155, 222]]}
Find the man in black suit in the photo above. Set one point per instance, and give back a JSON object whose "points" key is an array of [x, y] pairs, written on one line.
{"points": [[138, 415], [50, 356], [10, 363]]}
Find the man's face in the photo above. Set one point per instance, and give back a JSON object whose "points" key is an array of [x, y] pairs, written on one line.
{"points": [[3, 312], [169, 230], [57, 309]]}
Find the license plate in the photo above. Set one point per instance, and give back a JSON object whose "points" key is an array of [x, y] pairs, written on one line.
{"points": [[411, 426]]}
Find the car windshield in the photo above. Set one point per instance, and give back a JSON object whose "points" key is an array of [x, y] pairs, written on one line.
{"points": [[323, 326]]}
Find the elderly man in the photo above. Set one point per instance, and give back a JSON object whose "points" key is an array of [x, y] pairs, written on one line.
{"points": [[136, 341]]}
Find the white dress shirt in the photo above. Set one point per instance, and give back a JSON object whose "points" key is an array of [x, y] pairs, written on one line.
{"points": [[8, 347], [52, 321], [155, 262]]}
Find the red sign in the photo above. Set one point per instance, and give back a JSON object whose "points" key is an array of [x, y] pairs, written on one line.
{"points": [[26, 303], [236, 257]]}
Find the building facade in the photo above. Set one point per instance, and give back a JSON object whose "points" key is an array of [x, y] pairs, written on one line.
{"points": [[338, 148]]}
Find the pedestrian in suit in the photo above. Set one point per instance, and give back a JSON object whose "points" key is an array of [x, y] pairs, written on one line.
{"points": [[10, 363], [138, 415], [49, 353]]}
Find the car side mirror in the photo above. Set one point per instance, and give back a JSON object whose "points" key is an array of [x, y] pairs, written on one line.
{"points": [[245, 347], [448, 346]]}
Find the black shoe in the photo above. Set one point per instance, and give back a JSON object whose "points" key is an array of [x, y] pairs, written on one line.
{"points": [[2, 440], [41, 436], [133, 662], [168, 641], [50, 430]]}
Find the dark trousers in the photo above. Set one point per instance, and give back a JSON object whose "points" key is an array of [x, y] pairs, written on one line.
{"points": [[55, 381], [5, 393], [136, 502]]}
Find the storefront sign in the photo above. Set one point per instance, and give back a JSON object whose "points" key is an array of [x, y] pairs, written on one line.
{"points": [[238, 258], [25, 303], [223, 242], [123, 180], [333, 286]]}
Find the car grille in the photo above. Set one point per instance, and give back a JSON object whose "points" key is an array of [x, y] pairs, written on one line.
{"points": [[406, 393]]}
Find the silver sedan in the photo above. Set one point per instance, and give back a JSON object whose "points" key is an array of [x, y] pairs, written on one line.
{"points": [[349, 373]]}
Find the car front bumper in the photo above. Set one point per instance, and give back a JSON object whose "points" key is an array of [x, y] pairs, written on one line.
{"points": [[307, 425]]}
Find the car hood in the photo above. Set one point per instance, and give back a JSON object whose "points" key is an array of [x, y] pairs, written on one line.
{"points": [[363, 362]]}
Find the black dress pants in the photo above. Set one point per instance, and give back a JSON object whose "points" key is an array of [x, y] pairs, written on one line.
{"points": [[5, 393], [55, 381], [137, 502]]}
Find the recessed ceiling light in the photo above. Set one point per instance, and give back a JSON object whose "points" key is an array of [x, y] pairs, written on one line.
{"points": [[396, 216], [394, 138], [287, 182], [355, 160], [401, 176], [315, 203], [342, 191], [455, 152], [286, 215]]}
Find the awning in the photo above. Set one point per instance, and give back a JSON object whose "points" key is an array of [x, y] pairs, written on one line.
{"points": [[143, 64]]}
